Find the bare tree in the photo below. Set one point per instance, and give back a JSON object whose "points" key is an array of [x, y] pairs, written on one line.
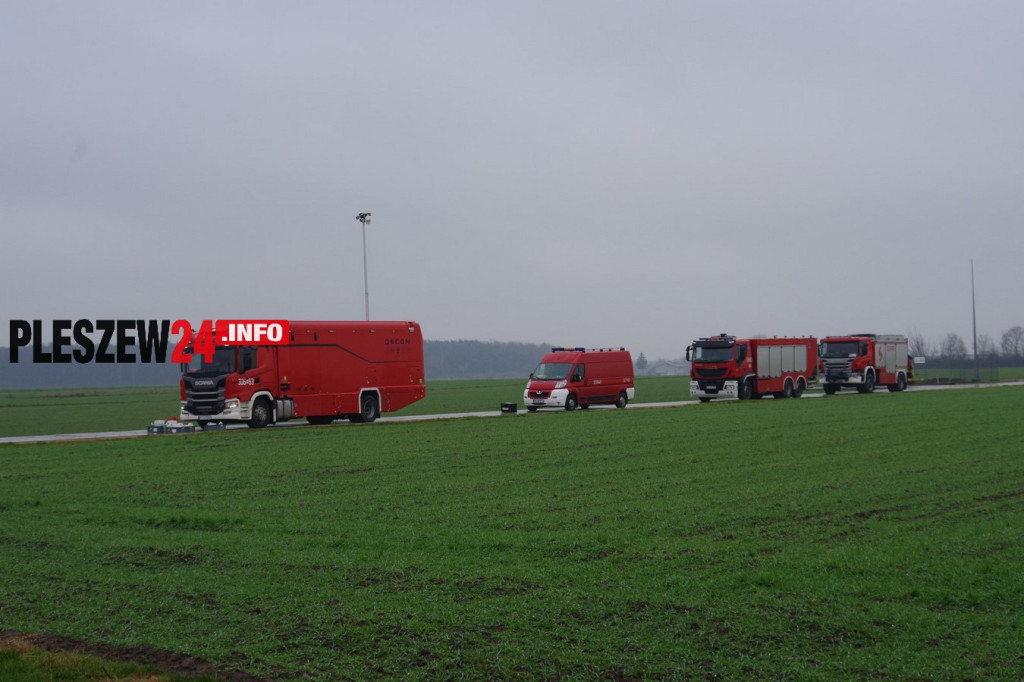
{"points": [[953, 347], [986, 347], [917, 345], [1013, 342]]}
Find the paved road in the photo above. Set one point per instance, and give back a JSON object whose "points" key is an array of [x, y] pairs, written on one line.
{"points": [[108, 435]]}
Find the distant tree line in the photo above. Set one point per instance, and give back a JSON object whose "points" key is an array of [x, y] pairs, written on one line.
{"points": [[953, 349], [27, 374], [465, 359], [468, 359], [461, 359]]}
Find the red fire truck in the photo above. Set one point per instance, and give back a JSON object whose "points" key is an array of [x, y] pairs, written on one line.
{"points": [[571, 377], [726, 367], [326, 371], [864, 361]]}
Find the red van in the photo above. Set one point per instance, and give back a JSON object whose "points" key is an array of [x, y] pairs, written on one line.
{"points": [[581, 377]]}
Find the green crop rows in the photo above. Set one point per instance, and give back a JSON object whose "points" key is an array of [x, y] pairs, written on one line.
{"points": [[853, 537]]}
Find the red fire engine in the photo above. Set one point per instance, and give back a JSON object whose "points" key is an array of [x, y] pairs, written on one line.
{"points": [[726, 367], [864, 361], [326, 371]]}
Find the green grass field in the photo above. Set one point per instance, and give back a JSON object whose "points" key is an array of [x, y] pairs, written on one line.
{"points": [[25, 412], [854, 537], [965, 375]]}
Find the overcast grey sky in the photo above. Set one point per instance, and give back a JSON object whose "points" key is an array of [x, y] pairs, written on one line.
{"points": [[578, 172]]}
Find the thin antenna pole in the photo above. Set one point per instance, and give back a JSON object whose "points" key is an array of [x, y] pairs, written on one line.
{"points": [[974, 324]]}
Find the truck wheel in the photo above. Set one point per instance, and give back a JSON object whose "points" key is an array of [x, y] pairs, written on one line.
{"points": [[869, 383], [830, 389], [531, 408], [261, 414], [570, 403], [800, 386], [787, 389], [621, 402], [746, 390], [900, 385], [368, 409]]}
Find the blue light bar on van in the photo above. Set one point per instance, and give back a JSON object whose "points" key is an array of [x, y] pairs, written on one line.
{"points": [[581, 349]]}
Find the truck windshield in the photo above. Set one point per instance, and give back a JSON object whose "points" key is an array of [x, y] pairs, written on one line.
{"points": [[223, 362], [552, 371], [838, 349], [712, 353]]}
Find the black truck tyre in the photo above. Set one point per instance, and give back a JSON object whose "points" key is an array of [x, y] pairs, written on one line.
{"points": [[869, 383], [262, 414], [369, 409]]}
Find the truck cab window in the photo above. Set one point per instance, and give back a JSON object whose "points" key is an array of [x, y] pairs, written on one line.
{"points": [[577, 375], [741, 353], [223, 361], [247, 358], [712, 353]]}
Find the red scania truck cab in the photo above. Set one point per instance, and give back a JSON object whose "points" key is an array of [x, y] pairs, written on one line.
{"points": [[326, 371], [864, 361], [579, 377], [726, 367]]}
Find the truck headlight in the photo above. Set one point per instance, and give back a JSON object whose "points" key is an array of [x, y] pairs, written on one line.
{"points": [[231, 404], [560, 384]]}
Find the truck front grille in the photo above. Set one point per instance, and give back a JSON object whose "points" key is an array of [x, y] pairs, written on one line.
{"points": [[837, 369], [205, 400]]}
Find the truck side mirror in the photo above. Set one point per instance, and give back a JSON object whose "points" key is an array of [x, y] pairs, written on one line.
{"points": [[689, 349]]}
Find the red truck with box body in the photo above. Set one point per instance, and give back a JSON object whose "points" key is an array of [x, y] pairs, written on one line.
{"points": [[326, 371], [726, 367], [580, 377], [864, 361]]}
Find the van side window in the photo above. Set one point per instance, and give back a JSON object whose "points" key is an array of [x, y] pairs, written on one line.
{"points": [[741, 353], [577, 374]]}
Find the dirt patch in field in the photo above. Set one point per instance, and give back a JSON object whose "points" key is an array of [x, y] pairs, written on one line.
{"points": [[169, 661]]}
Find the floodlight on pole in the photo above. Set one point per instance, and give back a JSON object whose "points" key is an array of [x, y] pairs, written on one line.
{"points": [[364, 218]]}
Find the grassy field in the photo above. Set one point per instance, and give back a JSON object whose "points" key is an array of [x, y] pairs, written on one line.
{"points": [[965, 375], [25, 412], [854, 537]]}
